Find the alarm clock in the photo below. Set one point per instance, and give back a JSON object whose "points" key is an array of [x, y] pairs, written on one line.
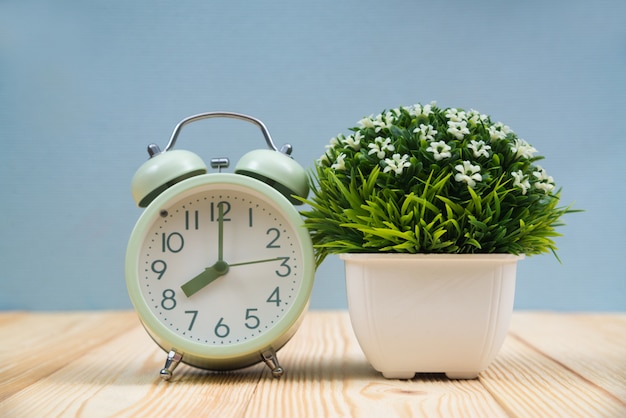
{"points": [[219, 266]]}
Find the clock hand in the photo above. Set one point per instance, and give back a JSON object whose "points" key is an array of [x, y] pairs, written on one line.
{"points": [[212, 273], [267, 260], [205, 278], [220, 234]]}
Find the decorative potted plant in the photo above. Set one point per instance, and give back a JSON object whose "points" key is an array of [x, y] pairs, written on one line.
{"points": [[431, 209]]}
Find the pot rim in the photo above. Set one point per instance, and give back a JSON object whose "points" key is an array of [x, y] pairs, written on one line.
{"points": [[436, 257]]}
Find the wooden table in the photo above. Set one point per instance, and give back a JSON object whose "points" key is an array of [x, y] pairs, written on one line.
{"points": [[92, 364]]}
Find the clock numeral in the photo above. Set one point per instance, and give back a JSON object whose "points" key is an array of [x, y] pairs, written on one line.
{"points": [[168, 303], [275, 233], [193, 318], [286, 271], [275, 297], [250, 217], [193, 221], [215, 210], [159, 267], [221, 329], [173, 242], [252, 321]]}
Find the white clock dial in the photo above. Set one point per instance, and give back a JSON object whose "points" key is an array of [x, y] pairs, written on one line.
{"points": [[220, 265]]}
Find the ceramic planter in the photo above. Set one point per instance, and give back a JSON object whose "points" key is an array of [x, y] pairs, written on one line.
{"points": [[430, 313]]}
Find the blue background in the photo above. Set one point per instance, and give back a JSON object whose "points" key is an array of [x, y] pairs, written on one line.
{"points": [[85, 86]]}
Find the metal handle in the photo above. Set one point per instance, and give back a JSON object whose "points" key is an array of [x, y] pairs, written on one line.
{"points": [[268, 139]]}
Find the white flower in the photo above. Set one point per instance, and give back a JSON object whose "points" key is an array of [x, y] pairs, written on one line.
{"points": [[340, 163], [396, 111], [335, 141], [419, 110], [383, 121], [354, 142], [522, 149], [544, 181], [499, 131], [367, 122], [426, 132], [440, 150], [479, 148], [546, 187], [458, 129], [475, 117], [380, 146], [323, 160], [521, 181], [396, 163], [468, 173], [542, 175], [455, 115]]}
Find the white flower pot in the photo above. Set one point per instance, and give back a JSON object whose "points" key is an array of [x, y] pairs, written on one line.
{"points": [[430, 313]]}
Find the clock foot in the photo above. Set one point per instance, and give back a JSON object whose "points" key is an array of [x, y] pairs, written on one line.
{"points": [[173, 358], [269, 357]]}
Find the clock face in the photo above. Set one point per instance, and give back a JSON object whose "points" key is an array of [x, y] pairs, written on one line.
{"points": [[221, 264]]}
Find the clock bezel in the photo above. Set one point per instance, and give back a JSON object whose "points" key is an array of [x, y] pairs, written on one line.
{"points": [[229, 356]]}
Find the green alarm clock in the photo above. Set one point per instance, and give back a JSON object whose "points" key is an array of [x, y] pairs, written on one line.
{"points": [[219, 266]]}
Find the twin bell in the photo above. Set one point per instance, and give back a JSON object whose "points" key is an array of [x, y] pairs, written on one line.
{"points": [[165, 168]]}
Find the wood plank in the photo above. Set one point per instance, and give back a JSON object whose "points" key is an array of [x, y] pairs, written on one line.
{"points": [[528, 383], [36, 345], [590, 345], [328, 375], [120, 378]]}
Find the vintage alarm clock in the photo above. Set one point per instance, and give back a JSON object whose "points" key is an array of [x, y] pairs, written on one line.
{"points": [[219, 266]]}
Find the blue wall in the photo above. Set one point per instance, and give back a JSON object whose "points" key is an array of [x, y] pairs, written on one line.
{"points": [[85, 86]]}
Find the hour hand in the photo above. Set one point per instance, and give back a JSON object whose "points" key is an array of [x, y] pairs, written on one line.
{"points": [[205, 278]]}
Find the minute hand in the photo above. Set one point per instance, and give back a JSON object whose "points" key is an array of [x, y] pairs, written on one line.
{"points": [[266, 260]]}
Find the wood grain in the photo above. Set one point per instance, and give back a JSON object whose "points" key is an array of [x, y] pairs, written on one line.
{"points": [[592, 346], [35, 346], [522, 373], [103, 364], [120, 378]]}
